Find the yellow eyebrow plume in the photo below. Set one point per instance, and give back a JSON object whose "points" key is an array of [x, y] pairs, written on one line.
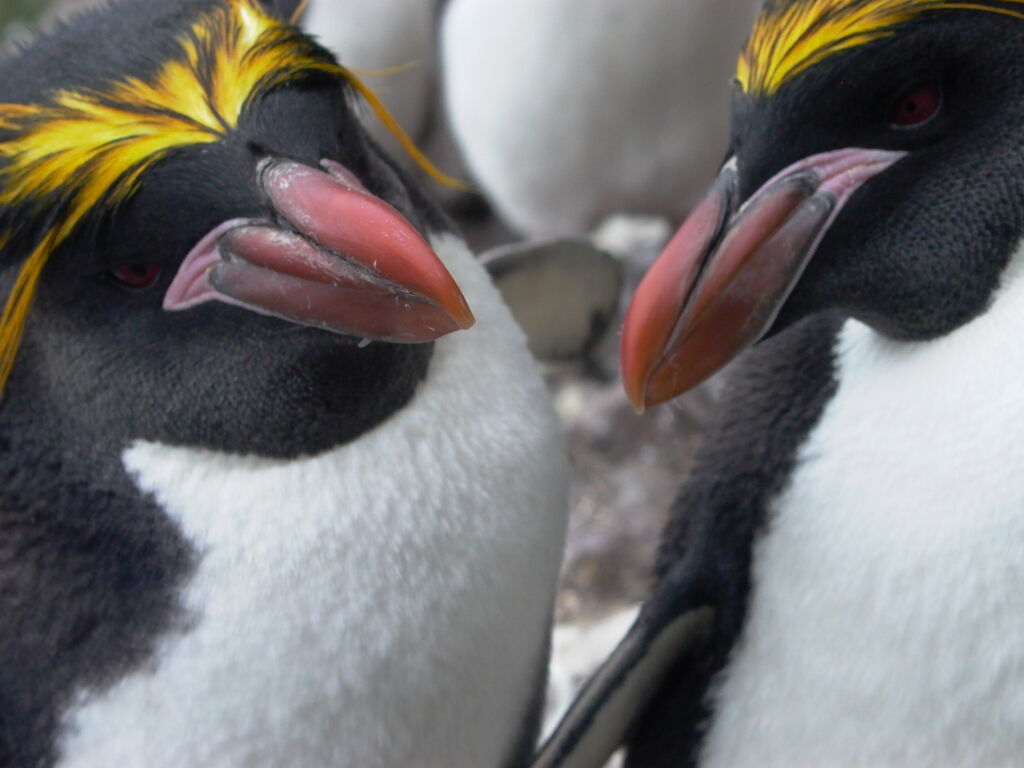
{"points": [[790, 37], [80, 149], [399, 133]]}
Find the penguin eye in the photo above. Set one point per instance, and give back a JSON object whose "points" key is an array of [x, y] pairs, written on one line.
{"points": [[916, 107], [136, 277]]}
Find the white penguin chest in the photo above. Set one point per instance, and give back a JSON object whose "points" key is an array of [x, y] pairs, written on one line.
{"points": [[886, 622], [385, 604]]}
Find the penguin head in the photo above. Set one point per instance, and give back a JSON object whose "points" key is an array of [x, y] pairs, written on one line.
{"points": [[872, 170], [199, 241]]}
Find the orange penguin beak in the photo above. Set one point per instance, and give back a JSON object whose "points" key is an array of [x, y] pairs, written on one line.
{"points": [[722, 280]]}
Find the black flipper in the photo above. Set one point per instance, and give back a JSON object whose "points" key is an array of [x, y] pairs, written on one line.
{"points": [[610, 704]]}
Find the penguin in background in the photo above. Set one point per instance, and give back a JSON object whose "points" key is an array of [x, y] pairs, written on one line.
{"points": [[840, 580], [394, 42], [567, 113], [267, 498]]}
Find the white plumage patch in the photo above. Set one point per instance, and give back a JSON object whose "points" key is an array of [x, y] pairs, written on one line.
{"points": [[568, 113], [385, 604], [886, 627]]}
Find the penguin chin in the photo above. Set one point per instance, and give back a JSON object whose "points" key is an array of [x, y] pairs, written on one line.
{"points": [[322, 391]]}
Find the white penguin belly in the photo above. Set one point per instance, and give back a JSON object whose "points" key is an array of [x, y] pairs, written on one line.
{"points": [[380, 606], [886, 623]]}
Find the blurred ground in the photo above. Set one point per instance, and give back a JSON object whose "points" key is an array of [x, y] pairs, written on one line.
{"points": [[628, 470], [627, 467]]}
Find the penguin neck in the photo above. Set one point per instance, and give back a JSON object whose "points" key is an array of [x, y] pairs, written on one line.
{"points": [[34, 432], [974, 365], [931, 417]]}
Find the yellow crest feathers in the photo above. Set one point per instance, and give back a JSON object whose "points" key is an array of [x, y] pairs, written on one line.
{"points": [[790, 37], [76, 150]]}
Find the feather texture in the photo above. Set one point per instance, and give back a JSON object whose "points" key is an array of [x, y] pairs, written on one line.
{"points": [[791, 37]]}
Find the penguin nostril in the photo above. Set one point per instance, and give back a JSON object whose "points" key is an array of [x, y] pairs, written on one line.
{"points": [[136, 277]]}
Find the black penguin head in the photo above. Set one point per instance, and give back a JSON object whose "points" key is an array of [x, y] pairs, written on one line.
{"points": [[168, 197], [873, 169]]}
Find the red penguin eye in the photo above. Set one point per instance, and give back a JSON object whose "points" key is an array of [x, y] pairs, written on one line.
{"points": [[916, 107], [137, 277]]}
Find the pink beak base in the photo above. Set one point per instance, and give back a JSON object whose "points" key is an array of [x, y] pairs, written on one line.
{"points": [[716, 290], [354, 266]]}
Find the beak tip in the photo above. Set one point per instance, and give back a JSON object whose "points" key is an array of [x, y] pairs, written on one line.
{"points": [[458, 311], [636, 393], [466, 319]]}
